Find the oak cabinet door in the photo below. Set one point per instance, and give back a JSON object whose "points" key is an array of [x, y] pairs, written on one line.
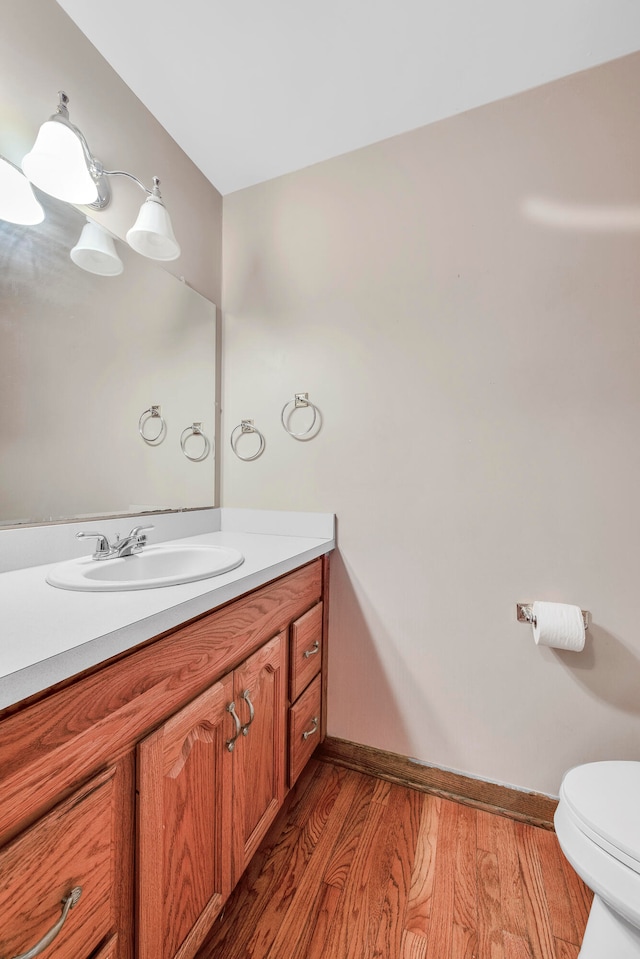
{"points": [[184, 825], [259, 755]]}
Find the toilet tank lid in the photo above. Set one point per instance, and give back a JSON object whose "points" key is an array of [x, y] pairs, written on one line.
{"points": [[604, 797]]}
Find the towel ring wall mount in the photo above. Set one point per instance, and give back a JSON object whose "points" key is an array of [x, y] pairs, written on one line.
{"points": [[195, 430], [244, 427], [300, 401], [153, 413]]}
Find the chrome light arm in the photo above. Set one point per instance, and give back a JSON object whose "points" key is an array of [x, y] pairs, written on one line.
{"points": [[155, 191], [95, 167]]}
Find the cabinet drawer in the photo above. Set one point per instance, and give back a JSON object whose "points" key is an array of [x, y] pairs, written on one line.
{"points": [[306, 651], [70, 847], [304, 728]]}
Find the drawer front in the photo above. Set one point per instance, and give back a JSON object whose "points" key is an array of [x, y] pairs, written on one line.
{"points": [[306, 651], [70, 847], [304, 728]]}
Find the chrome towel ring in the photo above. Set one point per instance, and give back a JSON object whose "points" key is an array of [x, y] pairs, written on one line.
{"points": [[299, 401], [195, 430], [244, 427], [153, 413]]}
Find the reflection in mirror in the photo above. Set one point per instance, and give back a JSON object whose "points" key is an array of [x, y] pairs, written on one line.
{"points": [[81, 358]]}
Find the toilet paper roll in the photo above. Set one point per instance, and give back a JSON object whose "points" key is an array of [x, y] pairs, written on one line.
{"points": [[558, 625]]}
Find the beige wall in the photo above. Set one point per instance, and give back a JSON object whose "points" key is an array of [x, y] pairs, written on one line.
{"points": [[42, 51], [478, 372]]}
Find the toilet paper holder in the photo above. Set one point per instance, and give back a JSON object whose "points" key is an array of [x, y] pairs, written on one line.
{"points": [[524, 612]]}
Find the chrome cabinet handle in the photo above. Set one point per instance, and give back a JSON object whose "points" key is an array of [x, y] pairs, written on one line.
{"points": [[310, 732], [252, 713], [67, 903], [231, 708], [314, 649]]}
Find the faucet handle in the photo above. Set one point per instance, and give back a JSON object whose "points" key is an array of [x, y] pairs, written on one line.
{"points": [[138, 533], [103, 548], [140, 529]]}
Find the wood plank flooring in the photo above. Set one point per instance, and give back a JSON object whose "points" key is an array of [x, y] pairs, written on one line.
{"points": [[357, 868]]}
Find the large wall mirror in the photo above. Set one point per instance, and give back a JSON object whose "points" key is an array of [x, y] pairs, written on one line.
{"points": [[81, 358]]}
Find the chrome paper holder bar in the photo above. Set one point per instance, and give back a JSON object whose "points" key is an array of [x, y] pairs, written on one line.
{"points": [[524, 613]]}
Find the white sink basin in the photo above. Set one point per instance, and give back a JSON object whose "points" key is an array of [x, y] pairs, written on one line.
{"points": [[153, 567]]}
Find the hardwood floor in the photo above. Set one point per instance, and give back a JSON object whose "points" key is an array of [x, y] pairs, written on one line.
{"points": [[358, 868]]}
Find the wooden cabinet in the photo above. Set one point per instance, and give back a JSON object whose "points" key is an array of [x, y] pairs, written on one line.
{"points": [[63, 877], [132, 763]]}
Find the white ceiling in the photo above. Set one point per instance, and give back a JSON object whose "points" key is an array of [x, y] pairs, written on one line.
{"points": [[252, 89]]}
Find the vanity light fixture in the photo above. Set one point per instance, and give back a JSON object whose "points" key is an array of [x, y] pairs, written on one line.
{"points": [[62, 165], [152, 233], [18, 203], [95, 251], [60, 162]]}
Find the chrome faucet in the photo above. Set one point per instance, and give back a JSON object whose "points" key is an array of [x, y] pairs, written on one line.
{"points": [[131, 544]]}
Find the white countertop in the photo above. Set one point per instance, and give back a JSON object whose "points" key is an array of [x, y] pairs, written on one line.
{"points": [[49, 634]]}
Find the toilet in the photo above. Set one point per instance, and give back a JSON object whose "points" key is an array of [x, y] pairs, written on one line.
{"points": [[598, 827]]}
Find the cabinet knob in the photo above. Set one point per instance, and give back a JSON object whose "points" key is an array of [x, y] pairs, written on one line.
{"points": [[68, 903]]}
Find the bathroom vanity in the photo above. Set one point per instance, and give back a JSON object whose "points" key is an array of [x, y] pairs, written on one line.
{"points": [[148, 781]]}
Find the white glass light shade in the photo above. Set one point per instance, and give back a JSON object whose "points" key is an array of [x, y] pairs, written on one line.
{"points": [[57, 164], [152, 233], [95, 251], [17, 201]]}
